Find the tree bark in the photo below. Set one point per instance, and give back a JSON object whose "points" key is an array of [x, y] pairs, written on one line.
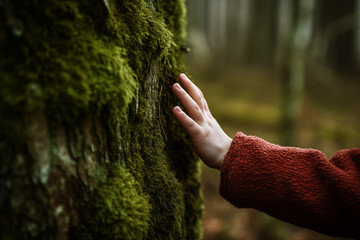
{"points": [[88, 145]]}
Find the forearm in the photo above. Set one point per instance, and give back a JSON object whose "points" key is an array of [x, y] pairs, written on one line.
{"points": [[300, 186]]}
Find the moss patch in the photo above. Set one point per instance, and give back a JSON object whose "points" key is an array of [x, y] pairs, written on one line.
{"points": [[78, 62], [113, 61], [122, 210]]}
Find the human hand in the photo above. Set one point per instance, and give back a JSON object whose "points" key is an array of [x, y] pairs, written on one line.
{"points": [[210, 141]]}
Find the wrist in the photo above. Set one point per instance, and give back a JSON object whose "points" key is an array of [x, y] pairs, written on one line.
{"points": [[225, 148]]}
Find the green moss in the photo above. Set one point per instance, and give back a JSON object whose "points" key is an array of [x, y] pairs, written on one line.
{"points": [[165, 191], [187, 169], [113, 60], [173, 14], [122, 210], [84, 65]]}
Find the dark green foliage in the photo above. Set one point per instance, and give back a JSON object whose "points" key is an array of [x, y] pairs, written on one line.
{"points": [[100, 72]]}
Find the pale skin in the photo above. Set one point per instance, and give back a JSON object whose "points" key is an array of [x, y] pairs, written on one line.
{"points": [[210, 141]]}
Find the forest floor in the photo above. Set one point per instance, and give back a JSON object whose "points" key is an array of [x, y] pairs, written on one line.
{"points": [[249, 100]]}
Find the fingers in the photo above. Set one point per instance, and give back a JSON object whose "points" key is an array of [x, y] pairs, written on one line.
{"points": [[193, 91], [188, 123], [190, 105]]}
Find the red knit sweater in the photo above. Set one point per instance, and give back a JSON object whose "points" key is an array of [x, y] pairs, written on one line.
{"points": [[299, 186]]}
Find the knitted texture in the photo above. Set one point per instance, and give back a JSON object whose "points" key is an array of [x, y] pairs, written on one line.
{"points": [[299, 186]]}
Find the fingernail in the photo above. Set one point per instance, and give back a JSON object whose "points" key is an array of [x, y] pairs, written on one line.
{"points": [[186, 78], [183, 75], [177, 109], [177, 86]]}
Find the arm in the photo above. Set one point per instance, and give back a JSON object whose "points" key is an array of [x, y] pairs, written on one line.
{"points": [[299, 186]]}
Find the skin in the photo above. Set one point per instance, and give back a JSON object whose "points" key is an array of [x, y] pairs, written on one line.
{"points": [[210, 141]]}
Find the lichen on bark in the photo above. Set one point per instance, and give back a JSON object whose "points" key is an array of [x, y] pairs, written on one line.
{"points": [[89, 147]]}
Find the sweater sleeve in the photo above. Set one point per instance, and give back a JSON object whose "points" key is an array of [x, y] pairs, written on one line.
{"points": [[299, 186]]}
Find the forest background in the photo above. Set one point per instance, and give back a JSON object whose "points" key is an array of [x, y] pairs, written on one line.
{"points": [[286, 71]]}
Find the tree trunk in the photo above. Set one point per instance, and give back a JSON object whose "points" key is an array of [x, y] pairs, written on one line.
{"points": [[217, 26], [357, 36], [293, 75], [88, 145]]}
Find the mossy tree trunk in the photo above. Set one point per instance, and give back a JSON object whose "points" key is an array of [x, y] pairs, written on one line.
{"points": [[88, 145]]}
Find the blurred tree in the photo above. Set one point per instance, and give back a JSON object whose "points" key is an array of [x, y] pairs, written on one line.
{"points": [[238, 25], [357, 36], [294, 72], [216, 27], [335, 35], [260, 50]]}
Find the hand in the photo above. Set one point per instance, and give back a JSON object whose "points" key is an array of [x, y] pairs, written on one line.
{"points": [[210, 141]]}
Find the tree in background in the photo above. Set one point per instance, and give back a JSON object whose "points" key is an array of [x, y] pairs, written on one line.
{"points": [[292, 38], [88, 146], [294, 69]]}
